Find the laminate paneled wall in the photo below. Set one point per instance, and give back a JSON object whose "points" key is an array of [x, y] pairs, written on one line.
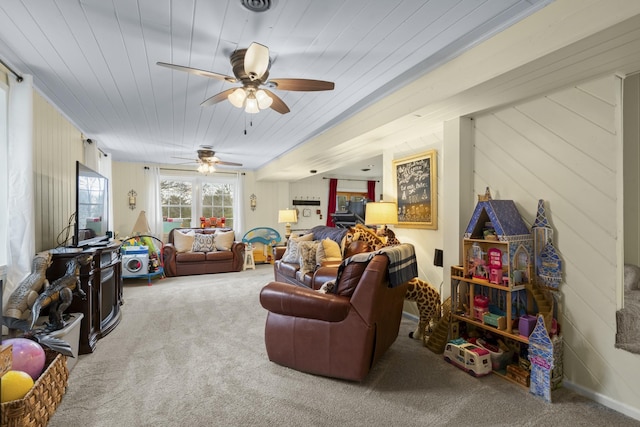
{"points": [[57, 146], [564, 148]]}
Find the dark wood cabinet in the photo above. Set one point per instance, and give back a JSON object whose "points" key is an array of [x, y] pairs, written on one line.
{"points": [[101, 280]]}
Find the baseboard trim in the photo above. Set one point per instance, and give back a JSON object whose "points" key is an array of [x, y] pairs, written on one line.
{"points": [[410, 316], [623, 408]]}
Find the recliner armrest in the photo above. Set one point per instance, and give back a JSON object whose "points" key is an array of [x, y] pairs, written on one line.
{"points": [[296, 301]]}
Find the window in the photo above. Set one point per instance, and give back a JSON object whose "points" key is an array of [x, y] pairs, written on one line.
{"points": [[217, 201], [189, 198], [176, 196], [344, 197]]}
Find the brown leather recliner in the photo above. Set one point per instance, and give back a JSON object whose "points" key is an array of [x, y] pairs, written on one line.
{"points": [[337, 335]]}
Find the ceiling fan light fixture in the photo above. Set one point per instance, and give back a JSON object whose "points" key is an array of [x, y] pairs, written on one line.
{"points": [[256, 60], [251, 105], [206, 168], [264, 100], [237, 97]]}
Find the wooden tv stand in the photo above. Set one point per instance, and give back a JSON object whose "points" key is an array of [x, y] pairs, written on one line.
{"points": [[101, 280]]}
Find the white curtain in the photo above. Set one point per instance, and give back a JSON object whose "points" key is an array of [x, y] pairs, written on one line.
{"points": [[238, 208], [104, 168], [21, 233], [154, 207]]}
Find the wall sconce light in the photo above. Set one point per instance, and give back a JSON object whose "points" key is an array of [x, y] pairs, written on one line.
{"points": [[132, 199], [254, 202]]}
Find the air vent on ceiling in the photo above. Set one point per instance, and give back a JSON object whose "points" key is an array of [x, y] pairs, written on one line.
{"points": [[256, 5]]}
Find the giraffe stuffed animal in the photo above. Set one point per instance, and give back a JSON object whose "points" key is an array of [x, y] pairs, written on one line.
{"points": [[427, 298]]}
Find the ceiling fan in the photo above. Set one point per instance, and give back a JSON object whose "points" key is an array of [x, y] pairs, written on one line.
{"points": [[251, 68], [207, 160]]}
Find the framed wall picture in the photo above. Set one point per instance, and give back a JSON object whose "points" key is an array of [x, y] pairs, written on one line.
{"points": [[417, 190]]}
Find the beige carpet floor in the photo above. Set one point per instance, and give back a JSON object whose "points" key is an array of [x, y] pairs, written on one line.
{"points": [[190, 352]]}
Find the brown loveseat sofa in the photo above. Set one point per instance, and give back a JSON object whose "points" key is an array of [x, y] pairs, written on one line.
{"points": [[290, 272], [338, 335], [181, 260]]}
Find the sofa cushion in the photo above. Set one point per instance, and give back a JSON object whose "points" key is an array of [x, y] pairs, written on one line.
{"points": [[328, 251], [183, 241], [307, 251], [190, 256], [203, 243], [219, 256], [224, 240]]}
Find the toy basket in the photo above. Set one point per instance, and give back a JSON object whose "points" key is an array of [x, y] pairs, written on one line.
{"points": [[40, 403]]}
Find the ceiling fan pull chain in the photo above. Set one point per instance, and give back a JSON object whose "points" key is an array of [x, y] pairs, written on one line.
{"points": [[245, 124]]}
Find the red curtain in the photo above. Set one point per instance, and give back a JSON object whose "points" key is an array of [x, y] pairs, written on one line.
{"points": [[371, 190], [333, 190]]}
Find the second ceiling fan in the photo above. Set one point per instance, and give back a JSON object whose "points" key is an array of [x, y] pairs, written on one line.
{"points": [[251, 68]]}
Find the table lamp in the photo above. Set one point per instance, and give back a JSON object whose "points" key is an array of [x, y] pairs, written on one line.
{"points": [[381, 213], [287, 216]]}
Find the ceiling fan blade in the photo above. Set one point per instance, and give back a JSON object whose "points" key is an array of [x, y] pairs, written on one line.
{"points": [[220, 162], [303, 85], [256, 60], [218, 98], [278, 104], [199, 72], [184, 158]]}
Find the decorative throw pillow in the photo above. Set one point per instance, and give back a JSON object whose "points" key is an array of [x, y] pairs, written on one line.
{"points": [[203, 243], [328, 251], [224, 240], [307, 251], [183, 241], [291, 255]]}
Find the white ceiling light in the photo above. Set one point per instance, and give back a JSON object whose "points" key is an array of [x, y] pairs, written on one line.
{"points": [[264, 100], [251, 104], [206, 168], [251, 100], [237, 97]]}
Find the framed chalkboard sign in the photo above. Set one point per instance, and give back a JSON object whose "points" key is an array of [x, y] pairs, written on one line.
{"points": [[417, 190]]}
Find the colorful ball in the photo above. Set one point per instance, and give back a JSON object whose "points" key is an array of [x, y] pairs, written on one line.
{"points": [[14, 385], [28, 356]]}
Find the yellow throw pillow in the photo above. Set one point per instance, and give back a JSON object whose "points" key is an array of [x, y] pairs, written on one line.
{"points": [[224, 240], [328, 251], [183, 241]]}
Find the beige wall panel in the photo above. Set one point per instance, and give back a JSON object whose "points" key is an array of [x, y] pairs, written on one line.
{"points": [[566, 144], [631, 123], [57, 146]]}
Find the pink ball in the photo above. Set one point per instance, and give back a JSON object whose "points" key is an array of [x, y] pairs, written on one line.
{"points": [[28, 356]]}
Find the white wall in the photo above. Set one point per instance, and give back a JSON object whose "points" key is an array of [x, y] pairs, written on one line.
{"points": [[564, 148]]}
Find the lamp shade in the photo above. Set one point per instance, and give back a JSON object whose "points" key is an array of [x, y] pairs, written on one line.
{"points": [[381, 213], [287, 215]]}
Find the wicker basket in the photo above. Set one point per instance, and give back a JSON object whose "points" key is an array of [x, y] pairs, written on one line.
{"points": [[41, 401]]}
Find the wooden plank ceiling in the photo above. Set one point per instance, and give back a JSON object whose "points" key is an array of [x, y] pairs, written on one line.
{"points": [[96, 61]]}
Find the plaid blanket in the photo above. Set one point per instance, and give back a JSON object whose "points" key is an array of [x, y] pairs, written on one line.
{"points": [[402, 263]]}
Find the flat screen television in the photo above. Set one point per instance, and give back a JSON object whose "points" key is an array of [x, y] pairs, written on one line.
{"points": [[92, 208]]}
